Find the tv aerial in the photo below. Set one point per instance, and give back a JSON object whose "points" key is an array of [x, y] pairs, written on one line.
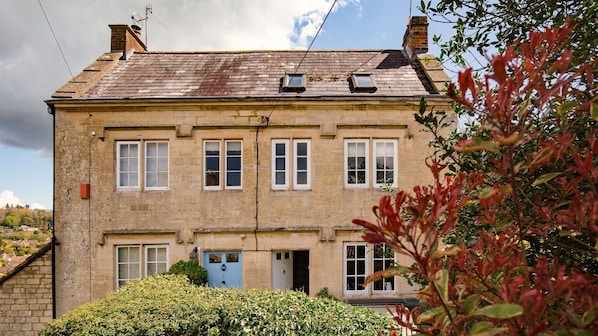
{"points": [[141, 23]]}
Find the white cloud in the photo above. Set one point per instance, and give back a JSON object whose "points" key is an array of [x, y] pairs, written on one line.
{"points": [[8, 197]]}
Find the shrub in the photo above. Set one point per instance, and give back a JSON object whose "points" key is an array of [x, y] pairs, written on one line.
{"points": [[168, 305], [529, 268], [196, 273], [325, 294]]}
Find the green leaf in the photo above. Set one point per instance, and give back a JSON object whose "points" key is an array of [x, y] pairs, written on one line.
{"points": [[479, 327], [594, 110], [470, 303], [545, 178], [441, 283], [500, 311], [430, 314], [566, 106]]}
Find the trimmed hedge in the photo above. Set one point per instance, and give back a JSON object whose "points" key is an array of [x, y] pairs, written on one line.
{"points": [[169, 305]]}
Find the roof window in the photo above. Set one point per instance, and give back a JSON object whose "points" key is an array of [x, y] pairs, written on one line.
{"points": [[363, 82], [294, 82]]}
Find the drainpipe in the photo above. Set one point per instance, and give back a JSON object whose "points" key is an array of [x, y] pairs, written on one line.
{"points": [[52, 111]]}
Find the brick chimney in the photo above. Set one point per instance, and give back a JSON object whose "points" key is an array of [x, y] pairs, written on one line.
{"points": [[415, 40], [125, 40]]}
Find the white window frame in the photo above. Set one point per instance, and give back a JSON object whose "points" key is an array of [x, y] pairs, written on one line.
{"points": [[205, 160], [356, 290], [285, 171], [368, 263], [395, 162], [296, 170], [226, 168], [366, 144], [146, 260], [142, 261], [128, 262], [118, 165], [159, 169]]}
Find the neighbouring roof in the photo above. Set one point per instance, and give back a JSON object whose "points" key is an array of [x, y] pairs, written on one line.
{"points": [[255, 74], [23, 264]]}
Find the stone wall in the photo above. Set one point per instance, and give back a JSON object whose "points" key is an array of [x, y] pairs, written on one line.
{"points": [[26, 295]]}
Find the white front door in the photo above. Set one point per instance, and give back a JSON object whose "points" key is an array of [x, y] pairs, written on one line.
{"points": [[282, 270]]}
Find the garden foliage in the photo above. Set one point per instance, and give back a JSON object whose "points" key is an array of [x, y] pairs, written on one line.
{"points": [[170, 305], [534, 198], [196, 273]]}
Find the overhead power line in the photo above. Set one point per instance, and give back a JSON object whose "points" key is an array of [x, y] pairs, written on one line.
{"points": [[55, 39], [316, 36]]}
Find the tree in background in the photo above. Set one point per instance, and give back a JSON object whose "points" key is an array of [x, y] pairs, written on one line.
{"points": [[522, 191], [489, 24]]}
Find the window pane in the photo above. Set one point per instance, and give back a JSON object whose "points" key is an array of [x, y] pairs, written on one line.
{"points": [[212, 179], [233, 179], [162, 267], [232, 257], [301, 163], [301, 178], [123, 254], [134, 254], [212, 163], [280, 149], [280, 178], [161, 254], [151, 254], [215, 258], [134, 271], [123, 271], [350, 267], [233, 147], [361, 251], [152, 149], [280, 163], [233, 163], [151, 268], [301, 148]]}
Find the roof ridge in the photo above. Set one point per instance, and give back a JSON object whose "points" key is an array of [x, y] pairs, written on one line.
{"points": [[262, 51]]}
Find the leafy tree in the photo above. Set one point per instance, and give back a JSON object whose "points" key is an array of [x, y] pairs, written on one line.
{"points": [[483, 24], [11, 220], [534, 197]]}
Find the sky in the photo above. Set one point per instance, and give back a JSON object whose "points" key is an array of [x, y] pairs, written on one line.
{"points": [[32, 63]]}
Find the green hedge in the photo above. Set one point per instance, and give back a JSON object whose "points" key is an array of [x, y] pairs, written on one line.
{"points": [[196, 273], [169, 305]]}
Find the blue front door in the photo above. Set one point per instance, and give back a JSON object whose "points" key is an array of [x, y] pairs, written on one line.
{"points": [[224, 268]]}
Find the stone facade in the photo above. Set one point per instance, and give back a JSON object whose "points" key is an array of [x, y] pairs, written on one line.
{"points": [[251, 231], [26, 296]]}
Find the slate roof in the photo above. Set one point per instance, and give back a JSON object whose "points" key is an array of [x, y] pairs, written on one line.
{"points": [[256, 74]]}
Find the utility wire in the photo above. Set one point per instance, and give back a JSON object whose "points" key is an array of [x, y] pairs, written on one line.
{"points": [[302, 59], [316, 36], [55, 39]]}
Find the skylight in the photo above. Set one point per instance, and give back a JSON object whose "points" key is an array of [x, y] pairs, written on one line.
{"points": [[294, 82], [363, 82]]}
